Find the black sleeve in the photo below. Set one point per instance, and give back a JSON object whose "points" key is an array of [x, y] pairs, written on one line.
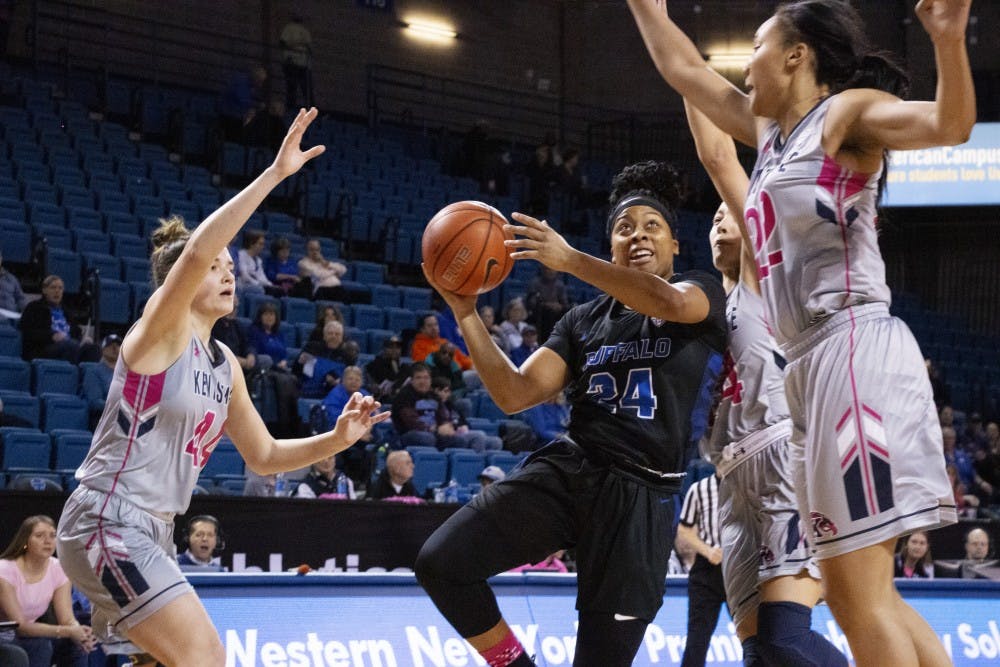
{"points": [[36, 321], [564, 338], [712, 288]]}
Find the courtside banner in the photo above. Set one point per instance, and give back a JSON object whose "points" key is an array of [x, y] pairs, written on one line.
{"points": [[965, 175], [348, 620]]}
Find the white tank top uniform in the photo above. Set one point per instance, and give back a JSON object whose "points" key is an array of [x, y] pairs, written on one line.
{"points": [[856, 386], [155, 436]]}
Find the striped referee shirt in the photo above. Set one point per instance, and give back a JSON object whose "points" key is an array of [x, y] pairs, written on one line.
{"points": [[701, 509]]}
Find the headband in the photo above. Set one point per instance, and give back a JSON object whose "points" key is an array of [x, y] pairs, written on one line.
{"points": [[638, 199]]}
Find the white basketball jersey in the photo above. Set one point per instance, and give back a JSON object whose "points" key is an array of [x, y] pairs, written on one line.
{"points": [[157, 431], [753, 391], [812, 223]]}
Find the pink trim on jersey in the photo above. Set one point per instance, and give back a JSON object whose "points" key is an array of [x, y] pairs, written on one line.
{"points": [[140, 392], [143, 391]]}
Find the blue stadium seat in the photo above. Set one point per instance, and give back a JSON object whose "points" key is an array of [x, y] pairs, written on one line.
{"points": [[80, 218], [41, 213], [36, 481], [121, 223], [503, 460], [416, 298], [63, 411], [224, 460], [369, 273], [135, 268], [251, 302], [10, 342], [400, 319], [53, 376], [280, 224], [15, 373], [234, 159], [115, 302], [141, 292], [69, 447], [376, 338], [487, 426], [429, 467], [298, 311], [385, 296], [25, 448], [364, 316], [487, 409], [464, 466], [90, 242], [16, 241], [68, 265], [129, 245], [107, 265], [55, 236]]}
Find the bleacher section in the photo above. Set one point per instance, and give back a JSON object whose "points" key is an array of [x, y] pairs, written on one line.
{"points": [[80, 195]]}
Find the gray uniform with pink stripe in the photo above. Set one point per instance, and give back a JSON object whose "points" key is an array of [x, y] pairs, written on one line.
{"points": [[116, 531], [865, 432]]}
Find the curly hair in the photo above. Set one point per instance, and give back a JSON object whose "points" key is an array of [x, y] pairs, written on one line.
{"points": [[169, 240], [658, 180]]}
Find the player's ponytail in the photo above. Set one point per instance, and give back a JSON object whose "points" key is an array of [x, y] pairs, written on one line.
{"points": [[169, 240], [878, 70]]}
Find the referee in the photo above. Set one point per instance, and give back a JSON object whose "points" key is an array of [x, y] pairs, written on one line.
{"points": [[699, 528]]}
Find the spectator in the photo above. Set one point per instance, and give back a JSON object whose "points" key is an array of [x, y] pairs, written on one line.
{"points": [[974, 437], [97, 379], [296, 57], [548, 420], [324, 273], [913, 559], [235, 335], [491, 474], [966, 504], [386, 374], [31, 579], [529, 343], [443, 365], [11, 297], [48, 332], [963, 463], [428, 339], [461, 435], [265, 335], [547, 300], [488, 316], [7, 419], [283, 271], [321, 363], [267, 127], [946, 416], [281, 417], [541, 173], [699, 527], [514, 315], [977, 555], [396, 480], [250, 266], [203, 537], [242, 100], [987, 463], [350, 382], [416, 412], [324, 315], [324, 480], [263, 485]]}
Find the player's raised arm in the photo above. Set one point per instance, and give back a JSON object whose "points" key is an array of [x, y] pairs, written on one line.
{"points": [[681, 64], [164, 327], [513, 389]]}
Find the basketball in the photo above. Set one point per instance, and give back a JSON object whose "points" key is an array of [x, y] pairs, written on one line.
{"points": [[463, 248]]}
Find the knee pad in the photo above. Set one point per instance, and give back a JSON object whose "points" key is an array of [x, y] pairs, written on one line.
{"points": [[785, 637]]}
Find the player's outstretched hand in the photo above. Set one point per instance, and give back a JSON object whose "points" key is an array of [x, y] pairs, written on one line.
{"points": [[357, 417], [460, 304], [536, 240], [944, 20], [291, 157]]}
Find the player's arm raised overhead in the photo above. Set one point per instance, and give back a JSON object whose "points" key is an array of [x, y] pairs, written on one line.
{"points": [[512, 388], [644, 292], [717, 153], [165, 327], [685, 70]]}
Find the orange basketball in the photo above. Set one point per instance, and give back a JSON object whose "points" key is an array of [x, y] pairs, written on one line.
{"points": [[463, 248]]}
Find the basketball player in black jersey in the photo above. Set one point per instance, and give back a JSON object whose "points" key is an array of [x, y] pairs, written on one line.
{"points": [[637, 363]]}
